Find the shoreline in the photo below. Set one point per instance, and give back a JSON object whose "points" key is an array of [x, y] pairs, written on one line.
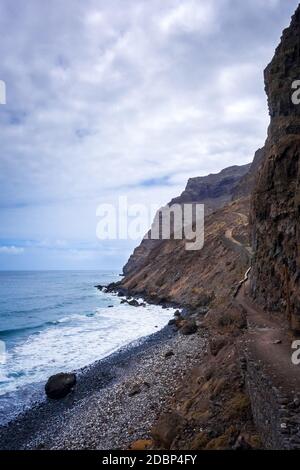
{"points": [[93, 377], [117, 289], [34, 393], [103, 381]]}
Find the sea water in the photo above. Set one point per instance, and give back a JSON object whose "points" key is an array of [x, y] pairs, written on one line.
{"points": [[57, 321]]}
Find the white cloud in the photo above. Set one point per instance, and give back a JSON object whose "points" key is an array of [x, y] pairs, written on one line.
{"points": [[11, 250], [190, 16], [46, 243], [108, 96], [95, 18], [79, 255]]}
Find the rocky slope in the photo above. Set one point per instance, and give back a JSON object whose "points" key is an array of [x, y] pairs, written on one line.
{"points": [[214, 191], [275, 207], [196, 278]]}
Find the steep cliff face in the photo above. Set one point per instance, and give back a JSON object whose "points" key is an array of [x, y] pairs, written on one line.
{"points": [[165, 270], [214, 191], [246, 184], [275, 207]]}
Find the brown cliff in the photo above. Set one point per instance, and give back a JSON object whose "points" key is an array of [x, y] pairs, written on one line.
{"points": [[214, 191], [246, 184], [195, 278]]}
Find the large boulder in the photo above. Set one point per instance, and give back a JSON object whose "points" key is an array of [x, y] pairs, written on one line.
{"points": [[59, 385], [189, 328], [166, 429]]}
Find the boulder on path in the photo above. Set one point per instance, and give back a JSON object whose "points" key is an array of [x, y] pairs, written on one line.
{"points": [[59, 385], [189, 328]]}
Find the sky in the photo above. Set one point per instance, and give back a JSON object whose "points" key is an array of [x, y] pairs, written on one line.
{"points": [[114, 98]]}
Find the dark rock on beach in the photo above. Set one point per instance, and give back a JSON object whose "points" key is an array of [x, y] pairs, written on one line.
{"points": [[169, 354], [135, 390], [59, 385]]}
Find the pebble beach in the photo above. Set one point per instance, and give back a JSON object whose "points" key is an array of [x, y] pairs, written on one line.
{"points": [[116, 400]]}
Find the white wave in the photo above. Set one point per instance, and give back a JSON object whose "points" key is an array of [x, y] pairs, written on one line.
{"points": [[77, 341]]}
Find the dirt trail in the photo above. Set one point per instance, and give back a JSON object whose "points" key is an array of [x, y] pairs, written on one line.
{"points": [[229, 236], [271, 343], [268, 335]]}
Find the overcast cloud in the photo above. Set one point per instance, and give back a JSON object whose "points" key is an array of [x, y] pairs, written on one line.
{"points": [[121, 97]]}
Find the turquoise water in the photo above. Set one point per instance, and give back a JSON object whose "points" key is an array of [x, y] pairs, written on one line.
{"points": [[58, 321]]}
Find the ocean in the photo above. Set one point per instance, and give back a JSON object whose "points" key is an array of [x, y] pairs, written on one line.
{"points": [[57, 321]]}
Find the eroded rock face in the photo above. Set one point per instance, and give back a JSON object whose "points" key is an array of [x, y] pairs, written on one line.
{"points": [[246, 184], [214, 190], [275, 207]]}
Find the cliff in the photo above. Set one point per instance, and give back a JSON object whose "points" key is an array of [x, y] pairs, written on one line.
{"points": [[163, 269], [214, 190], [246, 184], [195, 278], [275, 205]]}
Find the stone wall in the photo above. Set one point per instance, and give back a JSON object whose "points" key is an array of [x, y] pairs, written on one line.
{"points": [[276, 416]]}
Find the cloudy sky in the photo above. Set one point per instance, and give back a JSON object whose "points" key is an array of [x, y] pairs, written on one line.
{"points": [[109, 98]]}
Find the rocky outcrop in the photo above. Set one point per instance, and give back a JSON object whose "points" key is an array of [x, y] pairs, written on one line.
{"points": [[275, 207], [214, 190]]}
